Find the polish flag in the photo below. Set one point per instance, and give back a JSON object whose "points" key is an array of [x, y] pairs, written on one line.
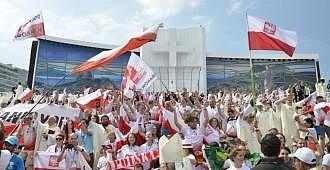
{"points": [[89, 99], [169, 118], [26, 95], [105, 57], [34, 27], [264, 35], [127, 126]]}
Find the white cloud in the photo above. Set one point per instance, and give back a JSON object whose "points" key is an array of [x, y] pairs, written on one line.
{"points": [[239, 6], [8, 15], [161, 9], [203, 20], [99, 28]]}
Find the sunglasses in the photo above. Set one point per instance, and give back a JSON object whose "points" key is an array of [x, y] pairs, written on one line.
{"points": [[58, 139]]}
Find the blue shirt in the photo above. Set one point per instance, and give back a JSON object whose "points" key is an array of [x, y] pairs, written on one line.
{"points": [[85, 141], [15, 163]]}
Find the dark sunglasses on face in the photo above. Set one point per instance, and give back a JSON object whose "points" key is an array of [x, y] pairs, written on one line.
{"points": [[59, 139]]}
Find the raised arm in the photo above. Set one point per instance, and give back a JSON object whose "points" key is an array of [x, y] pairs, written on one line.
{"points": [[278, 102], [299, 126], [206, 116], [177, 124], [303, 101]]}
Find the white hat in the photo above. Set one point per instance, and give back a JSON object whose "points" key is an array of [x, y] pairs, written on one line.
{"points": [[186, 144], [306, 155], [326, 160]]}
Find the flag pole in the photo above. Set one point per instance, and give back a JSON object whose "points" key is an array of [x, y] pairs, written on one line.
{"points": [[43, 96], [254, 97]]}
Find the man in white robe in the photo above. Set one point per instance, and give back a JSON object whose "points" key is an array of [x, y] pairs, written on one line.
{"points": [[287, 111]]}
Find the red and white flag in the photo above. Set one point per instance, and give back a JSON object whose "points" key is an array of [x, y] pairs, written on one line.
{"points": [[169, 117], [26, 95], [264, 35], [48, 161], [34, 27], [137, 75], [106, 57], [90, 99]]}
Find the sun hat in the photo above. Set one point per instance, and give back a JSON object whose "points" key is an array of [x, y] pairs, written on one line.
{"points": [[305, 155]]}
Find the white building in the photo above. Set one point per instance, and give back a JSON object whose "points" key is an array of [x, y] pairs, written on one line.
{"points": [[179, 59]]}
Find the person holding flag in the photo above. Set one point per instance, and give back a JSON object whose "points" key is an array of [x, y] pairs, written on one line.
{"points": [[193, 134]]}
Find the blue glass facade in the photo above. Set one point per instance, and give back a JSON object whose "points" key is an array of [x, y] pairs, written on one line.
{"points": [[269, 73], [55, 60]]}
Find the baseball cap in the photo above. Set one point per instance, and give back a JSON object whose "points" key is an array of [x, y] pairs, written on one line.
{"points": [[305, 155], [13, 140]]}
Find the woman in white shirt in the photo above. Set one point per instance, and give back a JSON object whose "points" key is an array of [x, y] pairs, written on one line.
{"points": [[237, 156], [130, 148], [214, 131]]}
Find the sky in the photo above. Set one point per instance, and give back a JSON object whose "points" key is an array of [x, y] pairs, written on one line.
{"points": [[114, 21]]}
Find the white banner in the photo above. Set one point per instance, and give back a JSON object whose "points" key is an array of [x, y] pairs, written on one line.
{"points": [[138, 74], [15, 113], [34, 27], [48, 161]]}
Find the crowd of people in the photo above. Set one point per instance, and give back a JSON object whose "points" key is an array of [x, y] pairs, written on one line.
{"points": [[289, 128]]}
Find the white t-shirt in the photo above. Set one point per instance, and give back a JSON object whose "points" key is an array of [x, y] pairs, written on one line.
{"points": [[242, 168], [326, 160], [5, 158], [54, 149], [102, 162], [71, 157], [230, 164], [213, 135], [193, 136], [146, 148], [213, 112]]}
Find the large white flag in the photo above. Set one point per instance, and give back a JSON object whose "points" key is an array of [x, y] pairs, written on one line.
{"points": [[34, 27], [137, 74]]}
